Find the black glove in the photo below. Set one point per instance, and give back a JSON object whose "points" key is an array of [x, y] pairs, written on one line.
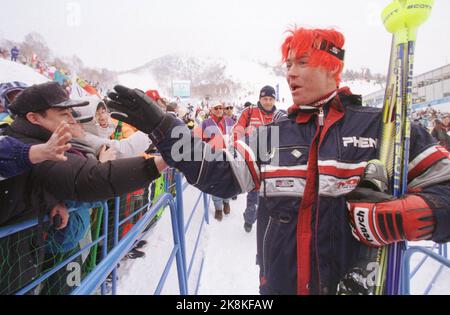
{"points": [[135, 108], [363, 194]]}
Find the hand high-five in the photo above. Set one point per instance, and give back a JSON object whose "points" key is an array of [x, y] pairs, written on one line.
{"points": [[135, 108], [54, 148]]}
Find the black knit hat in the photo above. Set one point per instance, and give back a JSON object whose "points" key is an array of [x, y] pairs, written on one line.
{"points": [[267, 91], [41, 97], [172, 107]]}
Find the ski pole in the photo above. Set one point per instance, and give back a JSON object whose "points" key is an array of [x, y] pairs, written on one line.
{"points": [[393, 20]]}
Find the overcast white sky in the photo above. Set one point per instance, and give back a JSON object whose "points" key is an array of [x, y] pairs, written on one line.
{"points": [[120, 35]]}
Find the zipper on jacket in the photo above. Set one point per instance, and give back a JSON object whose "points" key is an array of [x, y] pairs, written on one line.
{"points": [[320, 116]]}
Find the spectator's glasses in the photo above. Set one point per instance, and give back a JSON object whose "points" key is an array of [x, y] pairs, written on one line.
{"points": [[218, 108], [229, 107]]}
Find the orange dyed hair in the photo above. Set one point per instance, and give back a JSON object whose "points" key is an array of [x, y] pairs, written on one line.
{"points": [[301, 42]]}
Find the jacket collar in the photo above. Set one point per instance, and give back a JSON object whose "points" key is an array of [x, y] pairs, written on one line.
{"points": [[22, 128], [217, 119], [303, 113], [81, 146]]}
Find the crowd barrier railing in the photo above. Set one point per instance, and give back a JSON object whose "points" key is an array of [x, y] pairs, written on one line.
{"points": [[406, 274], [96, 278]]}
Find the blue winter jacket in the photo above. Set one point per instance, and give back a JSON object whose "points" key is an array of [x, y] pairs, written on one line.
{"points": [[15, 52], [304, 242], [66, 239], [14, 157], [210, 128]]}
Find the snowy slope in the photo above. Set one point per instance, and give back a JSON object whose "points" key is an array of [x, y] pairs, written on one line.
{"points": [[13, 71], [142, 80], [248, 74], [362, 87], [253, 77]]}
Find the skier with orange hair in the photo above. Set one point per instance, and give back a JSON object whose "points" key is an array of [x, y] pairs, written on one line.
{"points": [[309, 235]]}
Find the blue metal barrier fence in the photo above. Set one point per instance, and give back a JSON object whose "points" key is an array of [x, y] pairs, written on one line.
{"points": [[406, 274], [109, 261]]}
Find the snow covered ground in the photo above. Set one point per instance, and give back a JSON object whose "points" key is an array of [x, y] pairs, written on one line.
{"points": [[229, 258], [13, 71], [229, 254], [420, 282]]}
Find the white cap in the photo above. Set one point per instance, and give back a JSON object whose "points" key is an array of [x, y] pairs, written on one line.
{"points": [[87, 113]]}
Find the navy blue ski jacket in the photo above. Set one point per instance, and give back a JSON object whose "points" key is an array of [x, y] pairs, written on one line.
{"points": [[303, 171], [14, 157]]}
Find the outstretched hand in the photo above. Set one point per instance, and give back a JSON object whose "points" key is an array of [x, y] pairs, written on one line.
{"points": [[107, 154], [134, 107], [54, 148]]}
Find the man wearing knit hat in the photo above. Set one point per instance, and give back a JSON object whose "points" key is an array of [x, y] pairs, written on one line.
{"points": [[253, 116]]}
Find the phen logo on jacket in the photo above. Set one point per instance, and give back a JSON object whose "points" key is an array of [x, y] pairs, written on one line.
{"points": [[359, 142]]}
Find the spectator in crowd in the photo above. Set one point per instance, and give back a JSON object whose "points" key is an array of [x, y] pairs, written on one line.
{"points": [[228, 111], [67, 86], [51, 72], [39, 110], [200, 116], [439, 132], [247, 104], [95, 121], [447, 124], [102, 125], [154, 95], [3, 53], [214, 131], [172, 108], [17, 157], [8, 91], [14, 53], [122, 141], [103, 153], [252, 117], [59, 76], [20, 260], [64, 241]]}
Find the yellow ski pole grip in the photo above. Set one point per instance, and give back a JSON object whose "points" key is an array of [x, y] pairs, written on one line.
{"points": [[393, 17], [416, 13]]}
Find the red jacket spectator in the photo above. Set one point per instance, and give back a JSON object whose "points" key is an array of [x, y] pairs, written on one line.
{"points": [[252, 117]]}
